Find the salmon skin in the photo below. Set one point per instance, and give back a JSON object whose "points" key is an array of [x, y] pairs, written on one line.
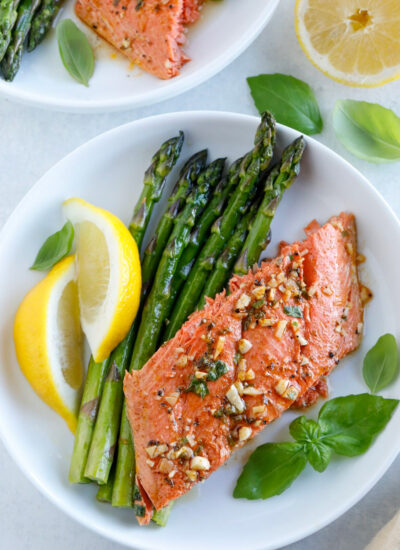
{"points": [[149, 32], [243, 360]]}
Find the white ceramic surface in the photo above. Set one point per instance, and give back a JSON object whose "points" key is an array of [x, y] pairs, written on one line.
{"points": [[224, 30], [108, 173]]}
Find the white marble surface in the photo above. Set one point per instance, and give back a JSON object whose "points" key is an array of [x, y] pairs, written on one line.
{"points": [[32, 140]]}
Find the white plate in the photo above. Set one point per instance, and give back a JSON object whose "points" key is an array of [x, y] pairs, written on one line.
{"points": [[108, 171], [225, 29]]}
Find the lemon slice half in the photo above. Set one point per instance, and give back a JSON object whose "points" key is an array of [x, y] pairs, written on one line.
{"points": [[48, 340], [108, 275], [356, 42]]}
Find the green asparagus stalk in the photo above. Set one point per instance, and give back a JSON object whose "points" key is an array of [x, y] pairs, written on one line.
{"points": [[105, 434], [95, 377], [12, 58], [201, 231], [42, 21], [161, 516], [153, 317], [253, 165], [8, 17], [155, 178], [226, 261], [154, 181], [280, 179], [104, 493]]}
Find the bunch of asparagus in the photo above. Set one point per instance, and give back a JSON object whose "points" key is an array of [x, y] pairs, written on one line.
{"points": [[213, 226], [23, 23]]}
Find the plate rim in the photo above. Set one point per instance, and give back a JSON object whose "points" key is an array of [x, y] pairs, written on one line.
{"points": [[66, 508], [146, 99]]}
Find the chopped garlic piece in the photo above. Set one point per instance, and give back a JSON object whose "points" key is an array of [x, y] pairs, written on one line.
{"points": [[244, 433], [219, 347], [243, 301], [280, 329], [199, 463], [244, 345], [234, 398]]}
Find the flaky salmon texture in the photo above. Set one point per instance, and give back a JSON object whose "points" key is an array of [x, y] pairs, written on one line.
{"points": [[243, 360], [149, 32]]}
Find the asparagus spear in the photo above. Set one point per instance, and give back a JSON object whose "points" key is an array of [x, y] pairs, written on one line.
{"points": [[12, 58], [8, 17], [155, 178], [42, 22], [200, 233], [95, 376], [104, 493], [253, 164], [225, 262], [280, 179], [153, 317], [109, 416]]}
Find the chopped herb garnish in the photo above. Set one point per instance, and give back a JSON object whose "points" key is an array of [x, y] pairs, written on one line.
{"points": [[258, 304], [199, 387], [293, 311], [216, 370], [139, 4], [139, 510]]}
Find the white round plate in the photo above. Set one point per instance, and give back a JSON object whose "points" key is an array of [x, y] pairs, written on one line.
{"points": [[224, 30], [108, 171]]}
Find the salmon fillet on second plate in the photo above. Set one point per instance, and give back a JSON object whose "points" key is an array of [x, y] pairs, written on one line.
{"points": [[149, 32], [243, 360]]}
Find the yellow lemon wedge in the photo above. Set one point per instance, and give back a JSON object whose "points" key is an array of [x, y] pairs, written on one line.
{"points": [[48, 340], [108, 275], [356, 42]]}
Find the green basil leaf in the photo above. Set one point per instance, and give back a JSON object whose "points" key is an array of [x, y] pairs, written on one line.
{"points": [[305, 430], [293, 311], [350, 424], [318, 455], [290, 100], [381, 363], [55, 248], [270, 470], [368, 130], [75, 51]]}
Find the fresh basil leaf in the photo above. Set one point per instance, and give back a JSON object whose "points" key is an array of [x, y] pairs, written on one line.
{"points": [[318, 455], [75, 51], [290, 100], [55, 248], [199, 387], [368, 130], [216, 370], [381, 363], [270, 470], [350, 424], [293, 311], [305, 430]]}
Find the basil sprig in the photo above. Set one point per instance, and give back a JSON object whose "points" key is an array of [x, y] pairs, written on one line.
{"points": [[346, 425], [381, 364], [75, 51], [55, 248], [290, 100]]}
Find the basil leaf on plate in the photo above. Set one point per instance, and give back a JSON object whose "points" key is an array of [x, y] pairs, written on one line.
{"points": [[368, 130], [289, 99], [381, 364], [270, 470], [75, 51], [318, 455], [350, 424], [305, 430], [55, 248]]}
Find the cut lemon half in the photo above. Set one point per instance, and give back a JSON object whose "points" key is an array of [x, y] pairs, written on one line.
{"points": [[108, 275], [356, 42], [48, 340]]}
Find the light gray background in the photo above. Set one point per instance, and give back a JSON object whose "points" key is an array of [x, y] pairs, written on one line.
{"points": [[32, 140]]}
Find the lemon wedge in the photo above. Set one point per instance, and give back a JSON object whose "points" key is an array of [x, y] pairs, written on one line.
{"points": [[48, 340], [108, 275], [356, 42]]}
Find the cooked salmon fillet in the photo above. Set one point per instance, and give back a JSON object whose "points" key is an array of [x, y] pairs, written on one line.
{"points": [[149, 32], [243, 360]]}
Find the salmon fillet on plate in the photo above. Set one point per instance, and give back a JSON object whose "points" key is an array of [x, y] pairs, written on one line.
{"points": [[243, 360], [149, 32]]}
